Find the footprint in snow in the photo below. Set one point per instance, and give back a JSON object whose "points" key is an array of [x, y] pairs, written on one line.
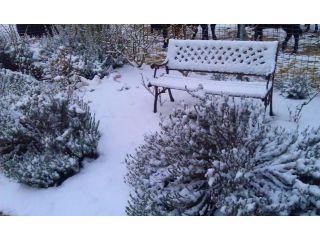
{"points": [[124, 87]]}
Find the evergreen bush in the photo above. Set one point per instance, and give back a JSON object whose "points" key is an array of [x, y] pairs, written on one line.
{"points": [[297, 88], [45, 133], [221, 157]]}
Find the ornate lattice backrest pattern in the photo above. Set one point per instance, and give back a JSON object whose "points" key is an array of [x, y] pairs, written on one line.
{"points": [[247, 57]]}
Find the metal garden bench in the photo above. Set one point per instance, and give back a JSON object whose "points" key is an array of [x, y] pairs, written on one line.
{"points": [[241, 58]]}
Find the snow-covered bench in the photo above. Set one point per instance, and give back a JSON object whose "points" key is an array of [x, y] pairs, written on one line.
{"points": [[228, 57]]}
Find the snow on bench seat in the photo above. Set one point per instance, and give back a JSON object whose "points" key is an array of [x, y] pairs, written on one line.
{"points": [[234, 88]]}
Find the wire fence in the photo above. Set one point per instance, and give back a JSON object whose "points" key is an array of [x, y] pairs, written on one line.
{"points": [[299, 55]]}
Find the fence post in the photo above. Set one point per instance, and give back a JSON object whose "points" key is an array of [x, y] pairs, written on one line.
{"points": [[242, 32]]}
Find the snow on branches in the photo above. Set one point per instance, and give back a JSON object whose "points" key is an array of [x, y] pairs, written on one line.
{"points": [[44, 134], [221, 157]]}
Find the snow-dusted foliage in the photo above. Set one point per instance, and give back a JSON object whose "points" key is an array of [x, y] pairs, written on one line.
{"points": [[6, 56], [75, 50], [221, 157], [60, 62], [138, 43], [96, 48], [85, 50], [78, 50], [15, 84], [19, 56], [40, 170], [45, 133], [297, 88], [59, 67]]}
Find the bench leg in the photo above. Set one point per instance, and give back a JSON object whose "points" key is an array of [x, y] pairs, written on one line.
{"points": [[270, 104], [266, 102], [170, 95], [156, 94]]}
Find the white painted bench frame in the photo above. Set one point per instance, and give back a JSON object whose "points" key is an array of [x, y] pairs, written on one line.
{"points": [[250, 58]]}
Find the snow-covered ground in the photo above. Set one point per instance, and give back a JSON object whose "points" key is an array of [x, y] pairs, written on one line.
{"points": [[125, 110]]}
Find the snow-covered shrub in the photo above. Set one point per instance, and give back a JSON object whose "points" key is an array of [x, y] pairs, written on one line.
{"points": [[88, 50], [60, 67], [75, 50], [45, 133], [7, 58], [297, 87], [14, 89], [138, 43], [53, 135], [78, 50], [19, 56], [23, 56], [221, 158], [40, 170], [97, 48], [16, 84], [67, 69]]}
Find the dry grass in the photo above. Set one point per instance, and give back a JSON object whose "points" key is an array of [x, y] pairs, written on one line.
{"points": [[155, 59], [158, 56], [313, 50], [293, 67]]}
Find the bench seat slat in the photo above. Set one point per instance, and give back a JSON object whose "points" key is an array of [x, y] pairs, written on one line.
{"points": [[234, 88]]}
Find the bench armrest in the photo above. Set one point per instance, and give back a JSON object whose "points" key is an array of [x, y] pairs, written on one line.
{"points": [[158, 65]]}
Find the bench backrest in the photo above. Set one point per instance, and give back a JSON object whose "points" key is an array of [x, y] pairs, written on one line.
{"points": [[244, 57]]}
